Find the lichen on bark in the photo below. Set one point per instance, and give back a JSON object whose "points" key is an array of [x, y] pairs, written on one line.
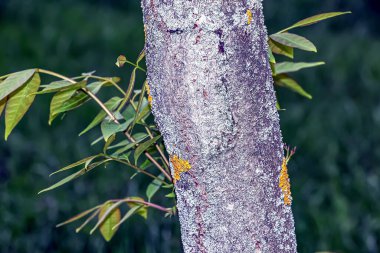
{"points": [[214, 103]]}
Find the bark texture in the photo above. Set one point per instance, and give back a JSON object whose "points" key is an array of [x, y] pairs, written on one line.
{"points": [[214, 102]]}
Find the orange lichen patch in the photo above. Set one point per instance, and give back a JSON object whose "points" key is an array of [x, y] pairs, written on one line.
{"points": [[249, 16], [285, 183], [150, 99], [179, 166]]}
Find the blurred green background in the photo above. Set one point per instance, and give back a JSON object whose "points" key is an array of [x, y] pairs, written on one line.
{"points": [[335, 173]]}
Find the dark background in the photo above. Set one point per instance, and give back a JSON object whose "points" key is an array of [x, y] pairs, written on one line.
{"points": [[335, 174]]}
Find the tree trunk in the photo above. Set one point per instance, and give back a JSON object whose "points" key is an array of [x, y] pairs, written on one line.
{"points": [[214, 103]]}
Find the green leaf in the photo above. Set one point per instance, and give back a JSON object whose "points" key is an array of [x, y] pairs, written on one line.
{"points": [[144, 146], [19, 102], [120, 144], [15, 81], [75, 175], [170, 195], [108, 143], [315, 19], [145, 112], [57, 101], [169, 186], [80, 162], [143, 211], [109, 127], [111, 105], [278, 107], [294, 40], [286, 81], [131, 212], [109, 217], [286, 67], [97, 140], [124, 149], [74, 102], [61, 86], [129, 112], [278, 48], [271, 56], [95, 86], [80, 97], [3, 102], [140, 103], [126, 145], [64, 181], [154, 186], [91, 166]]}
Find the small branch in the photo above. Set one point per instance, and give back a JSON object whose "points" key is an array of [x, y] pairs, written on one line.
{"points": [[139, 170], [88, 92], [161, 208], [100, 103], [130, 138], [158, 147]]}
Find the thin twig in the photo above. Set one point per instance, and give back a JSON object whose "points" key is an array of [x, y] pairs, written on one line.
{"points": [[130, 138], [130, 200], [139, 169]]}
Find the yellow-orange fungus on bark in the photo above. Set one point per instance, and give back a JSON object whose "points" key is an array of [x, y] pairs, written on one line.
{"points": [[285, 183], [249, 16], [150, 99], [179, 166]]}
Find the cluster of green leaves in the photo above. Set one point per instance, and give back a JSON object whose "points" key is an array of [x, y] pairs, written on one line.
{"points": [[126, 136], [283, 43]]}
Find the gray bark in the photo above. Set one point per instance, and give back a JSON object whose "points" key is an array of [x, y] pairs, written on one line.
{"points": [[214, 103]]}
